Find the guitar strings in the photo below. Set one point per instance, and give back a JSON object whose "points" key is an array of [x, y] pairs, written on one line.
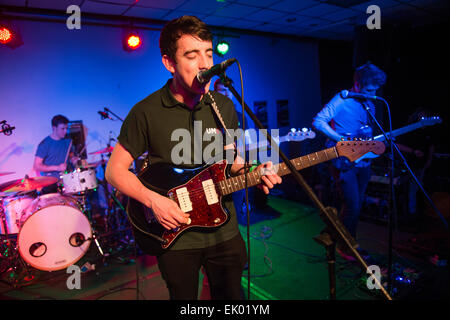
{"points": [[197, 191]]}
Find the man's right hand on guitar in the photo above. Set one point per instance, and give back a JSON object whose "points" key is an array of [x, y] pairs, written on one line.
{"points": [[167, 212]]}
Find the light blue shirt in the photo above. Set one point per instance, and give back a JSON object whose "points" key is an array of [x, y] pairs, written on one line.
{"points": [[348, 115]]}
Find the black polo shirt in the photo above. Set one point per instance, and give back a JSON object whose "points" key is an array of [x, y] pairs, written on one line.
{"points": [[149, 127]]}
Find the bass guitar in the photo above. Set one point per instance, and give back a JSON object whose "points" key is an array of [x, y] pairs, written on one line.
{"points": [[199, 191]]}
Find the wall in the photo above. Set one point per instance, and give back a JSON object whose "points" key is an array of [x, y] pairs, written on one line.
{"points": [[79, 72]]}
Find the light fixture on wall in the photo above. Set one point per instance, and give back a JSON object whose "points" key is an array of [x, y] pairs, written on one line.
{"points": [[9, 35], [131, 40], [222, 47]]}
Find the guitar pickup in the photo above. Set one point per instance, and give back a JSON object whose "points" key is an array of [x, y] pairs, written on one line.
{"points": [[210, 192], [183, 199]]}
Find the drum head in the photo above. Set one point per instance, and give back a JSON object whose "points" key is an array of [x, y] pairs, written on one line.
{"points": [[54, 237]]}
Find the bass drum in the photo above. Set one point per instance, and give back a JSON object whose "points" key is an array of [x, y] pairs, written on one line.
{"points": [[55, 235]]}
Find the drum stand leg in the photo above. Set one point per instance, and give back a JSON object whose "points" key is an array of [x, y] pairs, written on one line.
{"points": [[94, 236], [94, 232]]}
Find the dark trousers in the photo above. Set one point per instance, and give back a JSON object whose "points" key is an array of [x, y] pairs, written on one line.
{"points": [[222, 263], [353, 184]]}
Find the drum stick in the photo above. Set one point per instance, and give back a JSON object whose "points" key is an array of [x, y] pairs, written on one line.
{"points": [[68, 151], [79, 154]]}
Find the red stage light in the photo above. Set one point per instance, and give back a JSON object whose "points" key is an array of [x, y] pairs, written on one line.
{"points": [[10, 35], [131, 39], [134, 41], [5, 35]]}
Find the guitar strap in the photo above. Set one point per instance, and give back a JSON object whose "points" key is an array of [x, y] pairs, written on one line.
{"points": [[217, 112], [219, 116]]}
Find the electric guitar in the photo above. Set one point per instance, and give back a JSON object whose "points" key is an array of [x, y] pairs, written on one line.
{"points": [[366, 133], [199, 191], [424, 122]]}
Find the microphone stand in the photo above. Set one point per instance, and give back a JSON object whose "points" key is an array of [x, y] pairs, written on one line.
{"points": [[392, 203], [334, 229]]}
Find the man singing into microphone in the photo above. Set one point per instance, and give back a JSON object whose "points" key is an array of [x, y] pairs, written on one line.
{"points": [[185, 104], [348, 118]]}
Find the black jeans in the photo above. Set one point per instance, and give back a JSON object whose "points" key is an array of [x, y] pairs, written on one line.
{"points": [[223, 264]]}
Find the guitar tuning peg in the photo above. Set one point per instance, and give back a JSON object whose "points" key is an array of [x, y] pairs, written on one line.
{"points": [[305, 130]]}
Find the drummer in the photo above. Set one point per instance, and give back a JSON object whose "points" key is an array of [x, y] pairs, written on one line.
{"points": [[54, 151]]}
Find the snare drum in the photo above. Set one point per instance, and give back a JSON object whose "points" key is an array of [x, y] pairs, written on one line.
{"points": [[56, 233], [79, 180], [15, 212]]}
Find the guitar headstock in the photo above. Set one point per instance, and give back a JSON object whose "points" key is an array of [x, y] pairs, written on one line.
{"points": [[354, 149], [300, 134], [430, 121]]}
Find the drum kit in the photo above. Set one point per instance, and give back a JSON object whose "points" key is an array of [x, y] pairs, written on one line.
{"points": [[48, 232]]}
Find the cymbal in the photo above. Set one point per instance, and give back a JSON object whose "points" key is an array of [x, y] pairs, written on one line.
{"points": [[27, 184], [5, 173], [106, 150]]}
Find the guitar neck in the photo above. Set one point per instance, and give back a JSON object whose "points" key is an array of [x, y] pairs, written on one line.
{"points": [[237, 183], [400, 131]]}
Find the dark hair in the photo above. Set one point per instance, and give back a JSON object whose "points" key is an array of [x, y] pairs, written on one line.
{"points": [[58, 119], [174, 29], [369, 74]]}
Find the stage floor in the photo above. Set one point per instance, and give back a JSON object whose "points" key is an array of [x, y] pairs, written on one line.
{"points": [[286, 263]]}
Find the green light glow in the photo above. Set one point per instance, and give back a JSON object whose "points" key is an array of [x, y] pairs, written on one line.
{"points": [[222, 47]]}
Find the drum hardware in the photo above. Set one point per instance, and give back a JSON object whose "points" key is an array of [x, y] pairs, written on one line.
{"points": [[42, 231], [85, 210], [14, 270]]}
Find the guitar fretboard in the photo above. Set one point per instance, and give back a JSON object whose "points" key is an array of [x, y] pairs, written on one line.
{"points": [[234, 184], [409, 128]]}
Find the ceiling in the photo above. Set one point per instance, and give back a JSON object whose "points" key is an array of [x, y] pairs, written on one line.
{"points": [[329, 19]]}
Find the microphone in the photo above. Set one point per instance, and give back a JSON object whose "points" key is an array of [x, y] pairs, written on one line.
{"points": [[205, 76], [345, 94], [104, 115]]}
